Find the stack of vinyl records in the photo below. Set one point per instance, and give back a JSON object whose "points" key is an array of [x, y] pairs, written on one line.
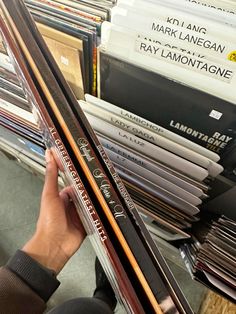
{"points": [[164, 172], [166, 195], [167, 122], [172, 63], [211, 260], [167, 188], [72, 30], [137, 271], [18, 128]]}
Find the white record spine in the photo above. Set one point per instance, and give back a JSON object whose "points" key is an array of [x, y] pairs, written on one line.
{"points": [[213, 168], [213, 21], [150, 165], [153, 127], [146, 174], [156, 191], [174, 36], [148, 149]]}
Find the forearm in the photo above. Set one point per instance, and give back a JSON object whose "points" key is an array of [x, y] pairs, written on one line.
{"points": [[25, 286], [27, 282], [49, 254]]}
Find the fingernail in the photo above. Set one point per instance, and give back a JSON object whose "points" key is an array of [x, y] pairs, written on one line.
{"points": [[48, 156]]}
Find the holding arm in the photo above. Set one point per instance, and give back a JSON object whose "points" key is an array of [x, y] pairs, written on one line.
{"points": [[29, 278]]}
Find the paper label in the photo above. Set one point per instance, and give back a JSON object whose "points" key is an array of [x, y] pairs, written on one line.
{"points": [[189, 62], [198, 28], [197, 36], [163, 42], [215, 114]]}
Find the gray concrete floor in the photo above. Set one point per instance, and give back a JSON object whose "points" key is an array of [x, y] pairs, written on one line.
{"points": [[20, 193]]}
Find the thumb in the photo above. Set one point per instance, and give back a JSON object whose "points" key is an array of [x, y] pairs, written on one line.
{"points": [[51, 178]]}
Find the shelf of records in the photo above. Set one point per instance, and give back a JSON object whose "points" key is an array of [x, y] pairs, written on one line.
{"points": [[153, 153]]}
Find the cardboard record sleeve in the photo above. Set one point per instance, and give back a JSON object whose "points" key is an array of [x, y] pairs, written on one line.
{"points": [[160, 95]]}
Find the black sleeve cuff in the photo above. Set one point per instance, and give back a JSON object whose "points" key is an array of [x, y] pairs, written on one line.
{"points": [[37, 277]]}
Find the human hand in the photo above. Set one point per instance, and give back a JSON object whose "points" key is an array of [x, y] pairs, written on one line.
{"points": [[59, 231]]}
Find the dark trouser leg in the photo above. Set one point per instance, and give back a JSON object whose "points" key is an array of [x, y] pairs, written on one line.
{"points": [[82, 306]]}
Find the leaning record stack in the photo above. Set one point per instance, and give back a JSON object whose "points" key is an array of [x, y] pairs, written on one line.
{"points": [[165, 173], [211, 259], [167, 199], [72, 30], [17, 123], [133, 263]]}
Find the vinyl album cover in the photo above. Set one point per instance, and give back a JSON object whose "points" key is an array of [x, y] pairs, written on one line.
{"points": [[66, 50], [16, 113], [69, 21], [156, 191], [155, 205], [16, 100], [152, 166], [71, 30], [147, 128], [152, 151], [11, 87], [27, 133], [131, 127], [198, 116], [151, 177], [160, 227], [8, 75]]}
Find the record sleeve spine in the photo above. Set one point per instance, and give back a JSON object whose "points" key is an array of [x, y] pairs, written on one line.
{"points": [[150, 150], [156, 179], [184, 17], [181, 39], [173, 287], [152, 127], [153, 190], [152, 183], [149, 165], [160, 264], [212, 167], [149, 136]]}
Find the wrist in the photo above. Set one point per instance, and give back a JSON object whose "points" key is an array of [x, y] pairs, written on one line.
{"points": [[48, 255], [38, 278]]}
